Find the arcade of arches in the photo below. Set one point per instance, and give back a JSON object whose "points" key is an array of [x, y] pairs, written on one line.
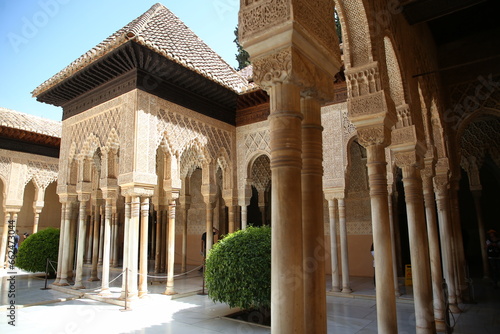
{"points": [[391, 137]]}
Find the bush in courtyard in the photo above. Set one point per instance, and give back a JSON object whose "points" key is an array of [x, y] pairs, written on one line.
{"points": [[34, 251], [238, 269]]}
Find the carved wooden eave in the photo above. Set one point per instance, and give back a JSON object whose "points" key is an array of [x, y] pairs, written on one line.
{"points": [[134, 66], [252, 107], [29, 142]]}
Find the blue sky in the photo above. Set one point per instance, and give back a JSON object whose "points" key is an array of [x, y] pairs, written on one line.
{"points": [[41, 37]]}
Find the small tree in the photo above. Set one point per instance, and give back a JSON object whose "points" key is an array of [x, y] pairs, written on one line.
{"points": [[238, 269], [34, 251]]}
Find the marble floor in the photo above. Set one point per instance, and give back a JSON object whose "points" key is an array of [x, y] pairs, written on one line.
{"points": [[78, 311]]}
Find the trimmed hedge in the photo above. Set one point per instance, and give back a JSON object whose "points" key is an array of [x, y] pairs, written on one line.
{"points": [[34, 251], [238, 269]]}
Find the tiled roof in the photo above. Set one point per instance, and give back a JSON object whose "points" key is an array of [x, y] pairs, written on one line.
{"points": [[16, 120], [161, 31]]}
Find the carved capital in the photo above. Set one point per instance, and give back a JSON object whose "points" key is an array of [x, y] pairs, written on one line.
{"points": [[291, 65], [376, 135], [441, 184]]}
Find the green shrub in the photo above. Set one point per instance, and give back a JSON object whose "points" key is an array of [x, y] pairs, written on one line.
{"points": [[238, 269], [34, 251]]}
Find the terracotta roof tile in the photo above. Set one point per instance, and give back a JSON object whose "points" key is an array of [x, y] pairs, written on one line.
{"points": [[161, 31], [16, 120]]}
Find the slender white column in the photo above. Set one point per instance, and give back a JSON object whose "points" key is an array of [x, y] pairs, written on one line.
{"points": [[419, 251], [209, 223], [171, 248], [106, 247], [458, 245], [346, 285], [90, 238], [164, 236], [61, 244], [446, 234], [332, 210], [5, 235], [101, 234], [393, 243], [95, 246], [386, 300], [115, 240], [231, 218], [72, 242], [36, 220], [82, 222], [65, 235], [184, 237], [126, 249], [143, 260], [112, 241], [434, 251], [158, 242], [244, 215]]}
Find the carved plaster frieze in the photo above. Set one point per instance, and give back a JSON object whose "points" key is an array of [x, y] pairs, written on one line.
{"points": [[291, 65], [257, 16], [5, 165], [375, 135]]}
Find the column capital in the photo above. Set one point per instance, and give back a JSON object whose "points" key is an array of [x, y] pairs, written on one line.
{"points": [[441, 184], [373, 135], [333, 194], [134, 190]]}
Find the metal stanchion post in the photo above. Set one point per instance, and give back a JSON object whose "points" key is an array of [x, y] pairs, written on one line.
{"points": [[126, 290], [46, 275]]}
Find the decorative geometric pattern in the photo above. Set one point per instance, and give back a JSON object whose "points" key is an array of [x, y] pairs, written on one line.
{"points": [[100, 125], [5, 167], [41, 173], [479, 138], [261, 173]]}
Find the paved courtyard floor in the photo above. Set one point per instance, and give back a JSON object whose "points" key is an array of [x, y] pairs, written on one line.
{"points": [[77, 311]]}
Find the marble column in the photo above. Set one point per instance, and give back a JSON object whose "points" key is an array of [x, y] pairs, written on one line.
{"points": [[344, 249], [385, 294], [446, 235], [209, 224], [434, 250], [171, 248], [287, 280], [332, 210], [419, 250], [95, 246], [312, 217], [231, 218], [164, 236], [115, 240], [82, 222], [476, 194], [90, 237], [393, 241], [185, 205], [5, 242], [72, 242], [37, 212], [158, 242], [108, 210], [244, 215], [65, 235], [126, 249], [143, 261], [61, 244], [101, 233]]}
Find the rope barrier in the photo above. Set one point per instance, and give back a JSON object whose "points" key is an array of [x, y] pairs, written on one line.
{"points": [[178, 275], [114, 279]]}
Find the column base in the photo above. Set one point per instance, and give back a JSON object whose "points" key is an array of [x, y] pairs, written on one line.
{"points": [[440, 325], [169, 292], [78, 287], [94, 279], [104, 293], [142, 293], [346, 290], [455, 309], [62, 282], [335, 290]]}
